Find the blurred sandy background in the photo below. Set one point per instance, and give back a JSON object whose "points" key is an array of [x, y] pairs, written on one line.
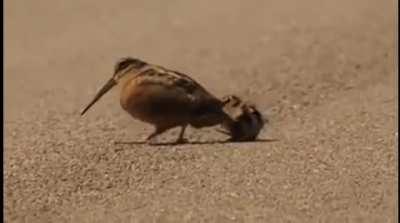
{"points": [[323, 71]]}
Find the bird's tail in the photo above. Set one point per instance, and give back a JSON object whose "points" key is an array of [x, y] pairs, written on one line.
{"points": [[208, 116]]}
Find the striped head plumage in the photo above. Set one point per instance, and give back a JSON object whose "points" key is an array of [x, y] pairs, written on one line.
{"points": [[247, 119], [127, 64]]}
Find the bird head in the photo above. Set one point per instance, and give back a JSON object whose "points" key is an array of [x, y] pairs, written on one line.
{"points": [[127, 65], [122, 67]]}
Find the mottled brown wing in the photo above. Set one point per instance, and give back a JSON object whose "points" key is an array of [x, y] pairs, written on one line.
{"points": [[206, 108], [176, 89]]}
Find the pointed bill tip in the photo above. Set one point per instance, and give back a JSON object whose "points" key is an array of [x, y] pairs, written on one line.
{"points": [[101, 92], [83, 112]]}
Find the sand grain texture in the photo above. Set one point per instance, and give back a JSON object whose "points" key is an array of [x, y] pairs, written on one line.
{"points": [[323, 71]]}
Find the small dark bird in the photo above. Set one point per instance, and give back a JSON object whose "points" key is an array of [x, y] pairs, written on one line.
{"points": [[246, 121]]}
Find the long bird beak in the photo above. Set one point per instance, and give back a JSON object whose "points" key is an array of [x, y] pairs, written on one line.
{"points": [[110, 83]]}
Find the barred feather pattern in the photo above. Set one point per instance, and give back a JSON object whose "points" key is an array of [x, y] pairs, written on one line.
{"points": [[247, 119]]}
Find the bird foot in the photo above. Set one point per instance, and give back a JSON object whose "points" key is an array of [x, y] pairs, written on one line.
{"points": [[151, 142], [181, 141]]}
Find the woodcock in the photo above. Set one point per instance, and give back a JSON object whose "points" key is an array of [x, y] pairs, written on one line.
{"points": [[246, 121], [163, 98]]}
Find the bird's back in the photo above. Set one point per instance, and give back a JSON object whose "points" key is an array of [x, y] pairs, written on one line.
{"points": [[158, 95]]}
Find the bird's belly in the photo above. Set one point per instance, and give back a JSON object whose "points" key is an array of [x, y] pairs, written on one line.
{"points": [[153, 104]]}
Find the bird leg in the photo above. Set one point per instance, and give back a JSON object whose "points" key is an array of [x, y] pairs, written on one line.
{"points": [[223, 131], [156, 132], [180, 137]]}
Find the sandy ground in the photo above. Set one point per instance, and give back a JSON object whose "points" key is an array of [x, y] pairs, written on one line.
{"points": [[323, 71]]}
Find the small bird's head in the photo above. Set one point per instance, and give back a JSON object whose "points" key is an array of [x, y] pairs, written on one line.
{"points": [[123, 67], [126, 65]]}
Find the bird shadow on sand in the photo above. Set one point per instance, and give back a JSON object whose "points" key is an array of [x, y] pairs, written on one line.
{"points": [[193, 142]]}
